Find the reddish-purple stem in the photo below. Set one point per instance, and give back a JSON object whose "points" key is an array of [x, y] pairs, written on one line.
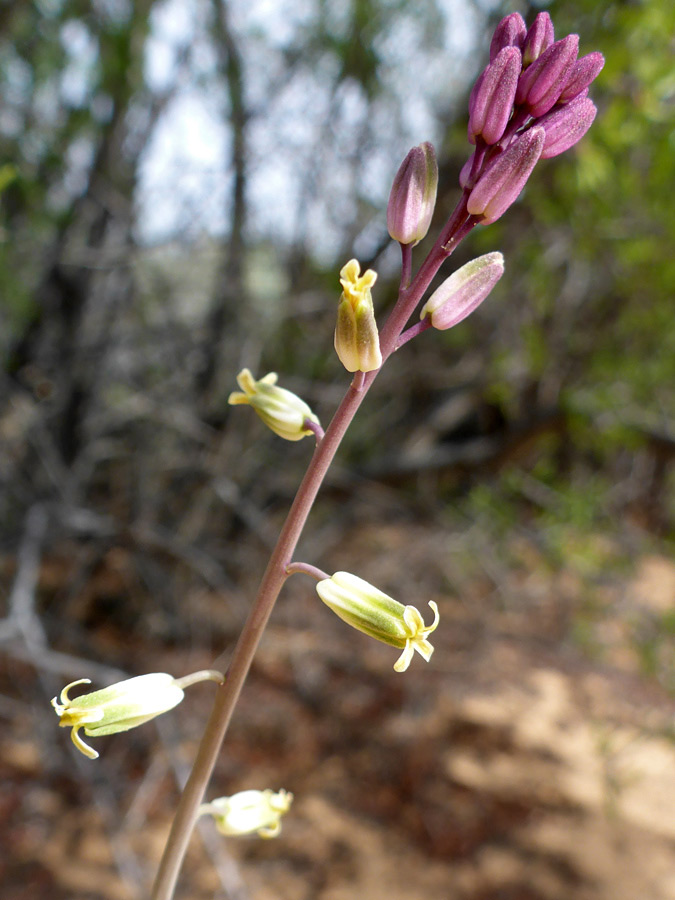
{"points": [[276, 573]]}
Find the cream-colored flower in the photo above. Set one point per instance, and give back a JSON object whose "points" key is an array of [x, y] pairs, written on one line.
{"points": [[378, 615], [249, 812], [281, 410], [357, 341], [123, 705]]}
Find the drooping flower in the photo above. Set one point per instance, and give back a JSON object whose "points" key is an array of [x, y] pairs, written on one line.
{"points": [[281, 410], [378, 615], [249, 812], [123, 705], [357, 342]]}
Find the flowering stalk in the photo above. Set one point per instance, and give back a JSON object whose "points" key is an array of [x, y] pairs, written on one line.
{"points": [[276, 572], [510, 128]]}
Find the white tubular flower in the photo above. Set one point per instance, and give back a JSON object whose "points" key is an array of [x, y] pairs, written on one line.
{"points": [[123, 705], [281, 410], [378, 615], [249, 812]]}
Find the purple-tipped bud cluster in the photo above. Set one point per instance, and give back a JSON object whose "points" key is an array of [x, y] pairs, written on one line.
{"points": [[413, 195], [529, 103]]}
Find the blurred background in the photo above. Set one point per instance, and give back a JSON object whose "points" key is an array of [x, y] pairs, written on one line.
{"points": [[181, 181]]}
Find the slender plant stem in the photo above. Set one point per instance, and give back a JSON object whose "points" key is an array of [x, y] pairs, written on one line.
{"points": [[301, 568], [413, 331], [406, 265], [277, 568]]}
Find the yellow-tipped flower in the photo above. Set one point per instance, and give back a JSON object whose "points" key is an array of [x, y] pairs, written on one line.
{"points": [[123, 705], [281, 410], [357, 341], [249, 812], [363, 606]]}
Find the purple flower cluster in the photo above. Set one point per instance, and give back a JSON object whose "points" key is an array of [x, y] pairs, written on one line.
{"points": [[531, 102]]}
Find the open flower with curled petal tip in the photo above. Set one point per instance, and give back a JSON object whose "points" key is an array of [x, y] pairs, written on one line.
{"points": [[281, 410], [123, 705], [249, 812], [357, 341], [377, 614]]}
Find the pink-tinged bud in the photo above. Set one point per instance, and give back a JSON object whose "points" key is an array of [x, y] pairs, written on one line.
{"points": [[413, 196], [491, 107], [504, 178], [565, 125], [542, 84], [584, 71], [463, 291], [539, 38], [511, 32]]}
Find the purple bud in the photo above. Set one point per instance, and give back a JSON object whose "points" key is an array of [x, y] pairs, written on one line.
{"points": [[584, 71], [505, 176], [542, 83], [491, 106], [413, 196], [539, 38], [463, 291], [566, 125], [466, 171], [476, 88], [510, 32]]}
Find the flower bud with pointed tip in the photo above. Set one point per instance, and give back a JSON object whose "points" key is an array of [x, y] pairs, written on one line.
{"points": [[378, 615], [357, 342], [510, 32], [565, 125], [539, 37], [249, 812], [542, 83], [463, 291], [281, 410], [413, 196], [583, 72], [491, 106], [505, 176], [123, 705]]}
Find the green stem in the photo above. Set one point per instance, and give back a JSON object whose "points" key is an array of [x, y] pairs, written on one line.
{"points": [[276, 572]]}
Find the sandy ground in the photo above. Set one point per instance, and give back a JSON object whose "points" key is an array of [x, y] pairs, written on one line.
{"points": [[514, 766]]}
